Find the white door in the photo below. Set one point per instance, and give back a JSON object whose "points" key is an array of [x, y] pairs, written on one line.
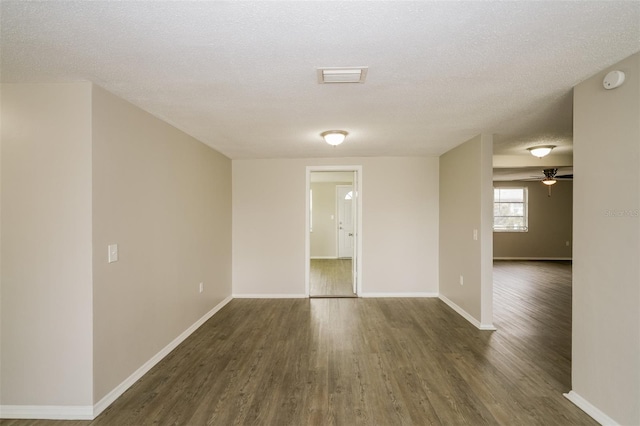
{"points": [[345, 221]]}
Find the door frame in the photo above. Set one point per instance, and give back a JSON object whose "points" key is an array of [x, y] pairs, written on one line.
{"points": [[357, 184]]}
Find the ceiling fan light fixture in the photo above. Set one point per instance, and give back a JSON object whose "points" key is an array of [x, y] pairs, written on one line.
{"points": [[549, 181], [541, 151], [334, 137]]}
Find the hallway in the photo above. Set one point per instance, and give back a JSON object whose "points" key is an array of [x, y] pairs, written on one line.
{"points": [[331, 278]]}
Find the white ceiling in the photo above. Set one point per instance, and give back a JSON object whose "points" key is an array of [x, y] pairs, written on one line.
{"points": [[241, 76]]}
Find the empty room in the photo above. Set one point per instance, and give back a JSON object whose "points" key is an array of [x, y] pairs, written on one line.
{"points": [[319, 213]]}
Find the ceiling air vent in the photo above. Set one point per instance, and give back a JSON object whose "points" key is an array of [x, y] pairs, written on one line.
{"points": [[342, 75]]}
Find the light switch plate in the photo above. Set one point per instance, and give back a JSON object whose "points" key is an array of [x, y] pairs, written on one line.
{"points": [[113, 253]]}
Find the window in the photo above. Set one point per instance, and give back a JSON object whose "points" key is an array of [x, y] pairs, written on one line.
{"points": [[510, 210]]}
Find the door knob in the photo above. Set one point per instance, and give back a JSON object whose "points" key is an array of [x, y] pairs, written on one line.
{"points": [[350, 234]]}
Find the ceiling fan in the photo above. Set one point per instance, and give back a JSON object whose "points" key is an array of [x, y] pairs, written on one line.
{"points": [[551, 177]]}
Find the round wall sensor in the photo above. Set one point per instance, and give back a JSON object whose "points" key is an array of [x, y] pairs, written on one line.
{"points": [[613, 79]]}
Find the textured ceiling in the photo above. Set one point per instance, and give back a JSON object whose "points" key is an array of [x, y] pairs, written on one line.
{"points": [[241, 76]]}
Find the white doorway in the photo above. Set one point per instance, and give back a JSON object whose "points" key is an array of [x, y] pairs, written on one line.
{"points": [[344, 201], [348, 216]]}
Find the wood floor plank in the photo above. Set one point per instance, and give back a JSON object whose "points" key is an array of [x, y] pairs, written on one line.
{"points": [[331, 278], [368, 362]]}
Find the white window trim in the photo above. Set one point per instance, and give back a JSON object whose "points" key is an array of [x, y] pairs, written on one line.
{"points": [[526, 210]]}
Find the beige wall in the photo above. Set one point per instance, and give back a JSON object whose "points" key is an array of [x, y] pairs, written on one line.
{"points": [[165, 199], [550, 224], [323, 238], [82, 169], [399, 235], [606, 274], [46, 313], [466, 204]]}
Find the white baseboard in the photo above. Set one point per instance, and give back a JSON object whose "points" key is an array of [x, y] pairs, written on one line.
{"points": [[271, 296], [591, 410], [323, 257], [304, 296], [487, 327], [59, 412], [48, 412], [466, 315], [372, 295], [129, 381], [532, 258]]}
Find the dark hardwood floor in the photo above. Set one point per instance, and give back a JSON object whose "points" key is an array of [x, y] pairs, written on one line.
{"points": [[331, 278], [357, 361], [532, 305]]}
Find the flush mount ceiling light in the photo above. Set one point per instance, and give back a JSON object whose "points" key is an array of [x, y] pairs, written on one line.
{"points": [[334, 137], [541, 151], [328, 75]]}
